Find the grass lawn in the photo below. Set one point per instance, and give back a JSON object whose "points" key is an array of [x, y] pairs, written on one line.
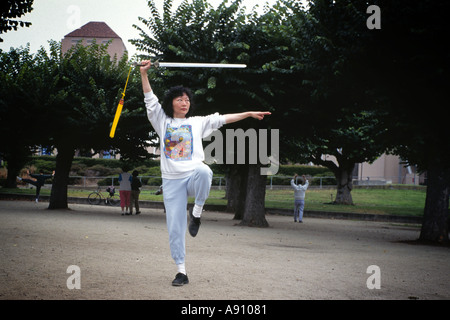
{"points": [[374, 201]]}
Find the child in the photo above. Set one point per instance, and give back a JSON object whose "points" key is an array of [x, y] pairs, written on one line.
{"points": [[183, 171], [299, 197]]}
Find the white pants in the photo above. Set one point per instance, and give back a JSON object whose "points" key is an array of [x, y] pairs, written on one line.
{"points": [[176, 193], [299, 205]]}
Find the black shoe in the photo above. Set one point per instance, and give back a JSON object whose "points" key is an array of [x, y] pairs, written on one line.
{"points": [[194, 225], [138, 212], [180, 280]]}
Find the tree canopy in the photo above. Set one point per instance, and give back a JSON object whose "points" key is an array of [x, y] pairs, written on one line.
{"points": [[195, 32], [333, 85], [68, 102], [11, 10]]}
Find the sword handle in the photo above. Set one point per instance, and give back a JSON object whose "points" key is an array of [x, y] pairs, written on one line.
{"points": [[156, 64]]}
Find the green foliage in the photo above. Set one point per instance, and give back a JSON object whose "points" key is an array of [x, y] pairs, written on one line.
{"points": [[324, 106], [195, 32], [14, 9], [290, 170], [92, 167], [69, 101], [81, 165], [409, 71]]}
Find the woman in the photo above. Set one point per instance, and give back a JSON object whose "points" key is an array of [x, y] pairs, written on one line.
{"points": [[125, 191], [182, 169]]}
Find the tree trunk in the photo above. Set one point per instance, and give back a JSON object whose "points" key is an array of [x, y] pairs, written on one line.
{"points": [[58, 196], [254, 214], [14, 167], [15, 159], [344, 185], [436, 214], [343, 174], [237, 190]]}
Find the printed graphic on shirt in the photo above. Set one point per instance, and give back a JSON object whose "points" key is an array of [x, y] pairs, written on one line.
{"points": [[178, 143]]}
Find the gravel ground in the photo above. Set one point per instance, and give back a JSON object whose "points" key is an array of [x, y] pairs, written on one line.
{"points": [[128, 257]]}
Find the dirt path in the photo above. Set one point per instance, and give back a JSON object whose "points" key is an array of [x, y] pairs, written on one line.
{"points": [[128, 257]]}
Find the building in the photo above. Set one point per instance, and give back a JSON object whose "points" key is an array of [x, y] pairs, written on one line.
{"points": [[386, 169], [99, 31]]}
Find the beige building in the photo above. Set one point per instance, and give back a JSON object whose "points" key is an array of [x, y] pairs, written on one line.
{"points": [[386, 169], [99, 31]]}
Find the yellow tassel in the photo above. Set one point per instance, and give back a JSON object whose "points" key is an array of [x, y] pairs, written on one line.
{"points": [[119, 109], [116, 118]]}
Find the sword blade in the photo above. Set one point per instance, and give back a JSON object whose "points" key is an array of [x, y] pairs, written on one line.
{"points": [[200, 65], [194, 65]]}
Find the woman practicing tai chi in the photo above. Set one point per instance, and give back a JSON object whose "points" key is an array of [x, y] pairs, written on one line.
{"points": [[182, 169]]}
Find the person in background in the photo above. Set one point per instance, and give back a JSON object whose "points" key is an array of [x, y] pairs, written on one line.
{"points": [[135, 185], [299, 197], [38, 182], [125, 191]]}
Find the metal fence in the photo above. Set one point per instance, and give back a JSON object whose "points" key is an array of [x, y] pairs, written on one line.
{"points": [[273, 182], [218, 181], [147, 181]]}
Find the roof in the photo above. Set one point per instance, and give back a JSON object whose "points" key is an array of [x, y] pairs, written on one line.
{"points": [[93, 29]]}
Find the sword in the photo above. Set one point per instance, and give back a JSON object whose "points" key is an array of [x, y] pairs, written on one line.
{"points": [[158, 64]]}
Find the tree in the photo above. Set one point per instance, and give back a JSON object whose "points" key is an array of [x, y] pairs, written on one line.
{"points": [[319, 81], [89, 85], [68, 103], [196, 32], [366, 85], [14, 9], [409, 67], [20, 113]]}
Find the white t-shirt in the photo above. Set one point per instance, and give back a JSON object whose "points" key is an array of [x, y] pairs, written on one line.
{"points": [[180, 139], [125, 181], [299, 190]]}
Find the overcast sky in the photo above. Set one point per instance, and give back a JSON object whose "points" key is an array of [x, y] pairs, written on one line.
{"points": [[53, 19]]}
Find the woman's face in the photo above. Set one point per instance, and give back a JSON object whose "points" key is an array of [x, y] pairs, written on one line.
{"points": [[181, 106]]}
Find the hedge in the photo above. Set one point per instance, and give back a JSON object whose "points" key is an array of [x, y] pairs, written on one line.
{"points": [[92, 167]]}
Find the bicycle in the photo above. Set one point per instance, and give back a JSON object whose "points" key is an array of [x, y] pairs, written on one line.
{"points": [[97, 197]]}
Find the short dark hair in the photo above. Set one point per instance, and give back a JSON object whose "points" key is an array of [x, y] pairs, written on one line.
{"points": [[174, 92]]}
